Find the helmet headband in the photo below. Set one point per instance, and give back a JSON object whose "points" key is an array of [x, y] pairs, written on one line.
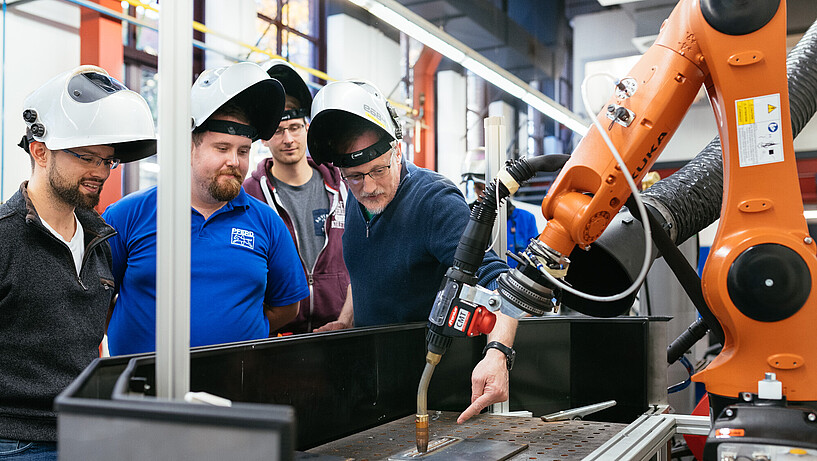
{"points": [[360, 157], [228, 127], [294, 113]]}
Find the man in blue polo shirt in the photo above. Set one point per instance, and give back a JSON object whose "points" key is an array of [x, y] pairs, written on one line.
{"points": [[245, 274]]}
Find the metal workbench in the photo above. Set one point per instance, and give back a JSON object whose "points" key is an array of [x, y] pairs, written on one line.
{"points": [[545, 441], [347, 385]]}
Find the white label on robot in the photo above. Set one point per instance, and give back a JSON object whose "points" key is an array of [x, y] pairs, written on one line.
{"points": [[760, 133]]}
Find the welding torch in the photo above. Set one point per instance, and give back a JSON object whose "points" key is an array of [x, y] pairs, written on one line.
{"points": [[464, 309]]}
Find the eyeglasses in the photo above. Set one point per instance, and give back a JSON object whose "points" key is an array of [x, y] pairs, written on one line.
{"points": [[377, 173], [95, 160], [294, 130]]}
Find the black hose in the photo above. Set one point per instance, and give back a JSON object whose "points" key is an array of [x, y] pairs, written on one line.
{"points": [[477, 235], [693, 195], [687, 339]]}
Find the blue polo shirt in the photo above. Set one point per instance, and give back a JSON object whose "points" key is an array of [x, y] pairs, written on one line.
{"points": [[242, 257]]}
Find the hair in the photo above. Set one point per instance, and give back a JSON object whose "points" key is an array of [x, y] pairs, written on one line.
{"points": [[349, 130], [228, 109], [292, 102]]}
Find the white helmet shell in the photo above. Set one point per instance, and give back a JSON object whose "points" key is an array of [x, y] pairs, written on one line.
{"points": [[338, 101], [474, 170], [87, 107], [473, 173], [473, 167], [248, 86]]}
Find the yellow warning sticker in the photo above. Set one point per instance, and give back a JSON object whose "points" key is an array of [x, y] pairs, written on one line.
{"points": [[746, 111], [759, 130]]}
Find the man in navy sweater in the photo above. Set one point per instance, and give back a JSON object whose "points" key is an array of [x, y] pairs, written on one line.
{"points": [[403, 224]]}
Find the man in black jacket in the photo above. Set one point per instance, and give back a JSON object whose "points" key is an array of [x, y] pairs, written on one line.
{"points": [[55, 265]]}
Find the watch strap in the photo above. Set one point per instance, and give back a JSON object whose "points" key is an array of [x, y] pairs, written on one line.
{"points": [[510, 354]]}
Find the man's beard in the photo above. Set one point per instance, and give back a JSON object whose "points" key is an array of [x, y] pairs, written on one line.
{"points": [[224, 191], [69, 193], [377, 210], [381, 191], [374, 211]]}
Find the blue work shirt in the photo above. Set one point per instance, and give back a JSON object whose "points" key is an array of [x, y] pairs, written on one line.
{"points": [[521, 228], [242, 257]]}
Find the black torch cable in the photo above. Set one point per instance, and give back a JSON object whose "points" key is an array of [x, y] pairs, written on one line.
{"points": [[477, 235]]}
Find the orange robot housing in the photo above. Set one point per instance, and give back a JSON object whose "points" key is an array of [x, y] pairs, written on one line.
{"points": [[759, 276]]}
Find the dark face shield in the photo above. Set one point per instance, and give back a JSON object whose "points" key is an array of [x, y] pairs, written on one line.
{"points": [[92, 86]]}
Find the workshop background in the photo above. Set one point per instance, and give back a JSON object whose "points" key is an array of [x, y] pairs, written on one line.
{"points": [[549, 44]]}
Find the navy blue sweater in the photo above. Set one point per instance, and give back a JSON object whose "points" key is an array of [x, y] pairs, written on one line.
{"points": [[397, 260]]}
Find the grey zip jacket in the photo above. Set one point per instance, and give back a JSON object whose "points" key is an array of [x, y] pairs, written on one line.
{"points": [[51, 319]]}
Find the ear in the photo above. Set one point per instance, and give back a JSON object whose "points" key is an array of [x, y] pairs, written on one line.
{"points": [[399, 150], [39, 153]]}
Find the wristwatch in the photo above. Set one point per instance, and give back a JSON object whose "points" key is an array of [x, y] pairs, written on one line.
{"points": [[510, 354]]}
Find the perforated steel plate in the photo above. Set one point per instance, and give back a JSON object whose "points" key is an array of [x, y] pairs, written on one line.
{"points": [[457, 449], [546, 441]]}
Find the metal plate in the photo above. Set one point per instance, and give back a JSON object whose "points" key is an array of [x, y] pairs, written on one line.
{"points": [[303, 456], [546, 441], [464, 450]]}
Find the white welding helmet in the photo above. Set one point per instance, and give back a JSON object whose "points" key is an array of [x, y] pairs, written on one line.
{"points": [[248, 86], [344, 104], [294, 86], [87, 107], [473, 173]]}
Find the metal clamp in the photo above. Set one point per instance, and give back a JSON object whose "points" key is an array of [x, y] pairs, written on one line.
{"points": [[481, 297]]}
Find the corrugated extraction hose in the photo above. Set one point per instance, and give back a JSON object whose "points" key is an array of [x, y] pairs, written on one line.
{"points": [[690, 200]]}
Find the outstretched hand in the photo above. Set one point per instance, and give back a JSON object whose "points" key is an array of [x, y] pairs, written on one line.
{"points": [[336, 325], [489, 384]]}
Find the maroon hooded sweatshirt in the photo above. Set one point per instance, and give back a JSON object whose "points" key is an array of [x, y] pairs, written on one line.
{"points": [[328, 279]]}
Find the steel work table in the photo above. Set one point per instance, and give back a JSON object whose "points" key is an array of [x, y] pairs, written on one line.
{"points": [[546, 441]]}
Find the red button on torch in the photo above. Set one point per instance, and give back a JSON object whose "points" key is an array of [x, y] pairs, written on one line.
{"points": [[482, 323]]}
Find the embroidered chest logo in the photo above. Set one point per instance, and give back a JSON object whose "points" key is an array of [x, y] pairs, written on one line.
{"points": [[339, 216], [243, 238]]}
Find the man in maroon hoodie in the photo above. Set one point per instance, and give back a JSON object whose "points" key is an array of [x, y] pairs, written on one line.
{"points": [[310, 198]]}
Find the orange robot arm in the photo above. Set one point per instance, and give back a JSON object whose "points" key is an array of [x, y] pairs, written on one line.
{"points": [[653, 100], [761, 268]]}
